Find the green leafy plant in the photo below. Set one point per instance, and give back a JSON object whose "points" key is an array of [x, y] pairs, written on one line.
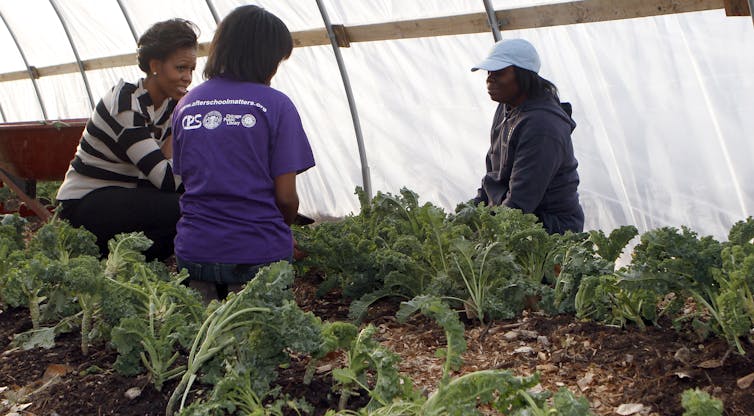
{"points": [[234, 394], [438, 310], [610, 247], [31, 282], [60, 241], [152, 312], [482, 268], [258, 324], [335, 336], [85, 280], [604, 298], [395, 247], [699, 403], [578, 262], [366, 354], [152, 336], [125, 250], [715, 275], [500, 389]]}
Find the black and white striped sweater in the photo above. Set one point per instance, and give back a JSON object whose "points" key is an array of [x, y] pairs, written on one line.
{"points": [[120, 145]]}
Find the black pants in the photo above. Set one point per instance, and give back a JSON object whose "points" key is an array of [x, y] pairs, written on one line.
{"points": [[114, 210]]}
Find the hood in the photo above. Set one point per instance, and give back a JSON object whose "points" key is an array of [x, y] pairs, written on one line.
{"points": [[561, 110]]}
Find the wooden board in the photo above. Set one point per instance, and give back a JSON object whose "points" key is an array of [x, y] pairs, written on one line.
{"points": [[737, 8], [575, 12]]}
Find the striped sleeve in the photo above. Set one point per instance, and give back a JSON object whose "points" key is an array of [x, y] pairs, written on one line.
{"points": [[141, 147]]}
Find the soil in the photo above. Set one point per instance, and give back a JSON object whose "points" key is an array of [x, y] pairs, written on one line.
{"points": [[613, 368]]}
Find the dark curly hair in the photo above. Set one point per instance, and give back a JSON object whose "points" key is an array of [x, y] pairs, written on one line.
{"points": [[164, 38], [248, 45]]}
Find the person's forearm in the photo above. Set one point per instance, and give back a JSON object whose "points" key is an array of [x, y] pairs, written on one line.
{"points": [[289, 209], [286, 197]]}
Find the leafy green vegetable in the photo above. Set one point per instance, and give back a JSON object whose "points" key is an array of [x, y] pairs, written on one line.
{"points": [[84, 278], [482, 268], [335, 336], [234, 394], [125, 250], [366, 354], [699, 403], [166, 315], [60, 241], [578, 261], [610, 247], [436, 309], [679, 258], [260, 324], [31, 282]]}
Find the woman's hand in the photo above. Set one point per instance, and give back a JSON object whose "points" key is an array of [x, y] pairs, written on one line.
{"points": [[297, 253]]}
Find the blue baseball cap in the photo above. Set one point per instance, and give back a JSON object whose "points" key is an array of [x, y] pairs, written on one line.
{"points": [[516, 52]]}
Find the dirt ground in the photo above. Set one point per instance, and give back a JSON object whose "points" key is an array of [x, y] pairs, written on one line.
{"points": [[620, 371]]}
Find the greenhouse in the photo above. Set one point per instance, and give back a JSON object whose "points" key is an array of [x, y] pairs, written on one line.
{"points": [[423, 117], [402, 286]]}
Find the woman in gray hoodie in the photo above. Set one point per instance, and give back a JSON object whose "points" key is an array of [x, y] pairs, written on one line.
{"points": [[530, 164]]}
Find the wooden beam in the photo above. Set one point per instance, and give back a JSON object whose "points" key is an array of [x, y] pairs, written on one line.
{"points": [[574, 12], [737, 8], [32, 203]]}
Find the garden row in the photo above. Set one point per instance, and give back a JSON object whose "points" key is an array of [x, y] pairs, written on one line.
{"points": [[494, 262], [489, 263]]}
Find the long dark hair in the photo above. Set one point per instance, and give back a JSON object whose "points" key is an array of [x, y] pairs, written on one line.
{"points": [[248, 45], [533, 85], [164, 38]]}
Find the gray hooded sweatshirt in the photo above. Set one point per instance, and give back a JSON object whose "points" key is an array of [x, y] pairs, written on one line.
{"points": [[531, 165]]}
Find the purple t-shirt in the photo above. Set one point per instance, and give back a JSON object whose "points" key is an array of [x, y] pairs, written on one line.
{"points": [[230, 140]]}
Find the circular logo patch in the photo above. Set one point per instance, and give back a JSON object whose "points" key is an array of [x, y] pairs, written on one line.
{"points": [[248, 120], [212, 120]]}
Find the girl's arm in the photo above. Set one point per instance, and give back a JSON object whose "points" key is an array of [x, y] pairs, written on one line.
{"points": [[286, 197]]}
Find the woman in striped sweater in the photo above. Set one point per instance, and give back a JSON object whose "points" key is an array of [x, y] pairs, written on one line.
{"points": [[121, 178]]}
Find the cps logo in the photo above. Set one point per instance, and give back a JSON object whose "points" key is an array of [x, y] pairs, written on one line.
{"points": [[191, 121], [212, 120]]}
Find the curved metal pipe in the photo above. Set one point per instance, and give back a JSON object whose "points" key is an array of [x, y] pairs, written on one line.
{"points": [[32, 75], [128, 20], [365, 175], [494, 24], [75, 52], [213, 11]]}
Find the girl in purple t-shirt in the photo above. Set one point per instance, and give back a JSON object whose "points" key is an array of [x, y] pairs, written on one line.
{"points": [[238, 146]]}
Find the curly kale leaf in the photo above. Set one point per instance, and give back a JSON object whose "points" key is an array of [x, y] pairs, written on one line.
{"points": [[481, 269], [35, 281], [12, 229], [85, 280], [125, 250], [699, 403], [679, 258], [577, 261], [463, 395], [255, 328], [610, 247], [60, 241], [365, 355], [742, 232], [438, 310]]}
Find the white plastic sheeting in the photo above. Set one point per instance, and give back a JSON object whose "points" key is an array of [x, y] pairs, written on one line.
{"points": [[664, 105]]}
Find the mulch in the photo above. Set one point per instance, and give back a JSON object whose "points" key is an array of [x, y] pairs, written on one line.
{"points": [[614, 368]]}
